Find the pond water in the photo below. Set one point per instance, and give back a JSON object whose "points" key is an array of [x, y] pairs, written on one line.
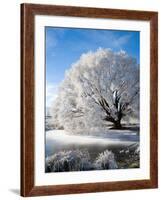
{"points": [[116, 141]]}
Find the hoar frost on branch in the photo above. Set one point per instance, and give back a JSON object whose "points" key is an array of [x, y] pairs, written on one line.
{"points": [[102, 87]]}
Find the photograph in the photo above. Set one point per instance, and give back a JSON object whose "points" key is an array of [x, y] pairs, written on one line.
{"points": [[92, 102]]}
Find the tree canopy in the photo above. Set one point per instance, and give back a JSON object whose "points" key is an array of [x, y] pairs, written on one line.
{"points": [[101, 88]]}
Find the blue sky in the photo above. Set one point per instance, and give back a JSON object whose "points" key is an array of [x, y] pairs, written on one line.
{"points": [[64, 46]]}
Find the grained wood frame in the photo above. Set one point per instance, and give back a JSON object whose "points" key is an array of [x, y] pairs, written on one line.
{"points": [[28, 12]]}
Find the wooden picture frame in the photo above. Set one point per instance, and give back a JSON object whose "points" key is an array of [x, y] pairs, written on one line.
{"points": [[28, 13]]}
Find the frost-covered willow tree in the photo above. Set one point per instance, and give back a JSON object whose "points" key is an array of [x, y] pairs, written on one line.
{"points": [[102, 87]]}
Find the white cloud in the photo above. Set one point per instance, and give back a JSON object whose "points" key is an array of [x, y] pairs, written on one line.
{"points": [[51, 93], [51, 41], [105, 37], [53, 37], [121, 40]]}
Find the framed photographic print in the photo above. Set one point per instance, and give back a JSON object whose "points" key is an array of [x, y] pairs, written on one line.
{"points": [[88, 99]]}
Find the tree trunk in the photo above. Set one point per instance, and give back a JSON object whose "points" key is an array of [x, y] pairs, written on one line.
{"points": [[117, 124]]}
